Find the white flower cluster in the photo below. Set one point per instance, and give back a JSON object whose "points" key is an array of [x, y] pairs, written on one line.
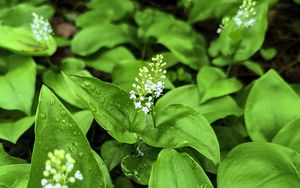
{"points": [[41, 28], [57, 170], [245, 17], [149, 84]]}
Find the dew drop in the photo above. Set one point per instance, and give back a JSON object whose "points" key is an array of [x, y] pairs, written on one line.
{"points": [[87, 83], [63, 113], [63, 121], [43, 115], [93, 107], [52, 102], [80, 154]]}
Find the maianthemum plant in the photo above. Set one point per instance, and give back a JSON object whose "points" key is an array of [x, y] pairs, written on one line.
{"points": [[172, 113]]}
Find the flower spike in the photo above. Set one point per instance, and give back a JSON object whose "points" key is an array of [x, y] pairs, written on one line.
{"points": [[41, 28], [58, 169], [149, 84]]}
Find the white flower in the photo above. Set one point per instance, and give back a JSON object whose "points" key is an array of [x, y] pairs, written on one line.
{"points": [[41, 28], [132, 95], [44, 182], [145, 110], [137, 105], [72, 179], [78, 175]]}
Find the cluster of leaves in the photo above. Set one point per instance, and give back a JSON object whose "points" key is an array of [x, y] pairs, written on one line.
{"points": [[209, 129]]}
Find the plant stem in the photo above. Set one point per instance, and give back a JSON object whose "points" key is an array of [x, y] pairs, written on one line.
{"points": [[152, 114]]}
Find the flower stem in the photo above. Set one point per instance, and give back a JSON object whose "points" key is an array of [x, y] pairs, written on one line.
{"points": [[152, 114]]}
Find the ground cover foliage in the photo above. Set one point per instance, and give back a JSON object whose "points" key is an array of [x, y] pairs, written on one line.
{"points": [[148, 93]]}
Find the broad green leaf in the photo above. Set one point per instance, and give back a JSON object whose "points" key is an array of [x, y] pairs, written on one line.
{"points": [[72, 65], [242, 43], [18, 84], [185, 44], [21, 41], [92, 38], [6, 159], [11, 130], [173, 169], [105, 11], [138, 166], [62, 88], [21, 15], [104, 171], [56, 129], [289, 136], [111, 107], [212, 83], [180, 126], [105, 61], [113, 152], [271, 104], [202, 10], [123, 74], [212, 110], [259, 164], [14, 175], [84, 120], [268, 53], [254, 67]]}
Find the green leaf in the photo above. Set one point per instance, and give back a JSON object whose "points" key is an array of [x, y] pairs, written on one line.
{"points": [[21, 41], [241, 44], [107, 60], [111, 107], [212, 83], [180, 126], [21, 15], [84, 120], [202, 10], [212, 110], [138, 166], [62, 88], [104, 171], [268, 53], [92, 38], [11, 130], [254, 67], [56, 129], [18, 84], [6, 159], [174, 169], [14, 176], [259, 165], [271, 104], [113, 152], [289, 136], [178, 36], [123, 74], [105, 11]]}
